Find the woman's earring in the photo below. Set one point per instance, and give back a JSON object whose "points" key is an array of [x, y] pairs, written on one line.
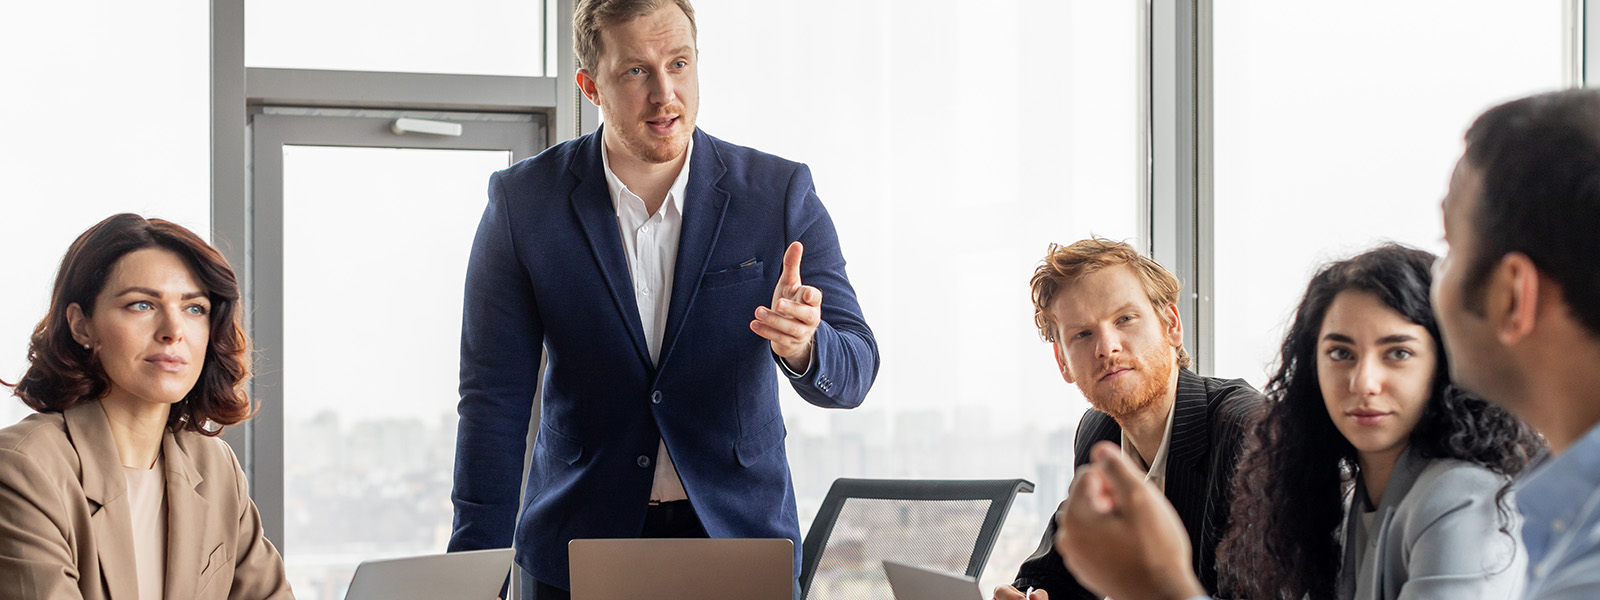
{"points": [[85, 346]]}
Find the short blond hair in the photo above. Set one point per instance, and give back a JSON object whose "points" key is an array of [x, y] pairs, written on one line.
{"points": [[590, 16], [1064, 265]]}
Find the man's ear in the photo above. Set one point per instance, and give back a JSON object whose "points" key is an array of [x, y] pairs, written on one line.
{"points": [[1061, 361], [1173, 326], [586, 85], [1513, 298]]}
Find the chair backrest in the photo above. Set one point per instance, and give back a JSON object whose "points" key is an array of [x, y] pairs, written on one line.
{"points": [[949, 525]]}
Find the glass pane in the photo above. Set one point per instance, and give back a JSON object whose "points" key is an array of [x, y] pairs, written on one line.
{"points": [[478, 37], [376, 244], [1336, 130], [952, 142], [68, 163]]}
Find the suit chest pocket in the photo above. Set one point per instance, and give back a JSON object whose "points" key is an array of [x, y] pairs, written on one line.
{"points": [[749, 270]]}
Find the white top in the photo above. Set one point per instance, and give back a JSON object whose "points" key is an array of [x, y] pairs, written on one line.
{"points": [[1156, 472], [651, 245], [147, 503]]}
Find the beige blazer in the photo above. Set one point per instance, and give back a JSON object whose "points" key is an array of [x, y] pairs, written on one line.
{"points": [[66, 530]]}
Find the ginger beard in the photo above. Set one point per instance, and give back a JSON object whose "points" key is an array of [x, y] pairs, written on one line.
{"points": [[1133, 392]]}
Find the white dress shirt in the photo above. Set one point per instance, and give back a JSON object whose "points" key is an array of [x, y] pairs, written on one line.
{"points": [[651, 245], [1156, 471]]}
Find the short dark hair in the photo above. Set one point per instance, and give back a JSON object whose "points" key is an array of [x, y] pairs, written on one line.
{"points": [[590, 16], [61, 373], [1540, 161]]}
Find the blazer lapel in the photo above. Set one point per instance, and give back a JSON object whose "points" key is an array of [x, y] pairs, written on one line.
{"points": [[704, 205], [591, 201], [1406, 471], [107, 492], [1405, 474], [1345, 584], [186, 529], [1187, 485], [1376, 548]]}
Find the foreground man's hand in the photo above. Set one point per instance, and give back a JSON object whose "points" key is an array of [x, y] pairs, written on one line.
{"points": [[1006, 592], [1120, 537]]}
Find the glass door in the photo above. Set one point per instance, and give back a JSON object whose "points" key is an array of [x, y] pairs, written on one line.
{"points": [[361, 238]]}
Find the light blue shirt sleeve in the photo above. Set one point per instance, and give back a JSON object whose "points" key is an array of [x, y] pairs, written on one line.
{"points": [[1560, 505]]}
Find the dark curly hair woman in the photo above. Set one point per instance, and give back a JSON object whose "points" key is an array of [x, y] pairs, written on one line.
{"points": [[1370, 473]]}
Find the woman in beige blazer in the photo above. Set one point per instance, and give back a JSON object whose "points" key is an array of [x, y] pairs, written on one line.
{"points": [[119, 488]]}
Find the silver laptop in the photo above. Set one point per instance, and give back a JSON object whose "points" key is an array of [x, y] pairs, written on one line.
{"points": [[682, 569], [917, 583], [475, 575]]}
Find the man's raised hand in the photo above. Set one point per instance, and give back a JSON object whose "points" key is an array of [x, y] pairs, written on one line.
{"points": [[790, 323]]}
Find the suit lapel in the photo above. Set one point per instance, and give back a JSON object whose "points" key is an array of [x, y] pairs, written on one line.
{"points": [[591, 201], [1346, 583], [1405, 474], [1187, 485], [704, 205], [107, 492], [186, 530]]}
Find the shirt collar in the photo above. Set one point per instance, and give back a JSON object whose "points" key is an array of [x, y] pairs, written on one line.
{"points": [[620, 191], [1158, 463], [1551, 491]]}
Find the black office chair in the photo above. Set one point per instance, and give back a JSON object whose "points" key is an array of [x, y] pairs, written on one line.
{"points": [[945, 525]]}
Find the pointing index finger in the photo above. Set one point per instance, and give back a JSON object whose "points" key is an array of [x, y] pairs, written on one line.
{"points": [[791, 265]]}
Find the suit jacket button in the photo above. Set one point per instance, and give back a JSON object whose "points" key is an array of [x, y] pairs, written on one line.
{"points": [[644, 461], [655, 397]]}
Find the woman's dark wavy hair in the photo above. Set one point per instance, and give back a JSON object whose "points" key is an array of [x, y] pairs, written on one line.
{"points": [[1289, 489], [62, 373]]}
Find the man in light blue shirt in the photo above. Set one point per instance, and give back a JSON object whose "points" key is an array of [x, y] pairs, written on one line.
{"points": [[1560, 505], [1518, 301]]}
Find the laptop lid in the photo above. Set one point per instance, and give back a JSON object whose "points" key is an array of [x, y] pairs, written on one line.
{"points": [[474, 575], [917, 583], [682, 569]]}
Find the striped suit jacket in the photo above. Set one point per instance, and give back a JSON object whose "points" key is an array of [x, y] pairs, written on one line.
{"points": [[1208, 429]]}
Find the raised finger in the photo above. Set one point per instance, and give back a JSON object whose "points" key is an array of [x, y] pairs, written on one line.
{"points": [[791, 266]]}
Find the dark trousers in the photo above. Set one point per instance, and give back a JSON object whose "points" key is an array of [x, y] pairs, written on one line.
{"points": [[665, 520]]}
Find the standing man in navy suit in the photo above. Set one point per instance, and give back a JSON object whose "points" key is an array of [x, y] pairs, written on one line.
{"points": [[659, 271]]}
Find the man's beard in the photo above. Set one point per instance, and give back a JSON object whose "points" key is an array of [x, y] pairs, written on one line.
{"points": [[1154, 368], [641, 143]]}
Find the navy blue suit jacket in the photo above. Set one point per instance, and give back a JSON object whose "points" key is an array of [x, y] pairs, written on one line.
{"points": [[548, 274]]}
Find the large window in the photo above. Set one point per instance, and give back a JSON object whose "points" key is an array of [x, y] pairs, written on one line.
{"points": [[478, 37], [372, 305], [106, 111], [952, 142], [1338, 128]]}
